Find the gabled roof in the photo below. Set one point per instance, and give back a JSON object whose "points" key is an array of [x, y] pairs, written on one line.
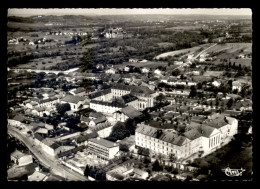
{"points": [[131, 112], [100, 120], [73, 99], [79, 90], [84, 118], [19, 117], [38, 137], [128, 98], [161, 135], [96, 114], [17, 154], [100, 93]]}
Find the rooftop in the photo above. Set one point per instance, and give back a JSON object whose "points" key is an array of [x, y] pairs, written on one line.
{"points": [[17, 154], [103, 142], [131, 112], [73, 99]]}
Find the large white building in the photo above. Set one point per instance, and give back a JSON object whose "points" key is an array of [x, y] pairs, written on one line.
{"points": [[144, 94], [205, 137], [120, 96], [102, 148]]}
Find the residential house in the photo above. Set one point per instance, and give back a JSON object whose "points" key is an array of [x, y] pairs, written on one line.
{"points": [[124, 172], [111, 71], [236, 85], [97, 121], [125, 113], [20, 158], [74, 101]]}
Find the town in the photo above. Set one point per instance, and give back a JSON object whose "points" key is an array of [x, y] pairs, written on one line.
{"points": [[152, 99]]}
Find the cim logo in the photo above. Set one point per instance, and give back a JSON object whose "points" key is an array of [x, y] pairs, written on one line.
{"points": [[233, 172]]}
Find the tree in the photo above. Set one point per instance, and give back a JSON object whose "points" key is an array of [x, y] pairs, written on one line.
{"points": [[62, 108], [230, 103], [193, 91], [147, 160], [172, 157], [156, 166], [87, 171]]}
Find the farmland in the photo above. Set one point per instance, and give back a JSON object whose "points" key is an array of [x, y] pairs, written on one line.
{"points": [[187, 51]]}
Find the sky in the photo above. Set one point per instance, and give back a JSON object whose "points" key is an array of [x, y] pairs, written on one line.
{"points": [[222, 11]]}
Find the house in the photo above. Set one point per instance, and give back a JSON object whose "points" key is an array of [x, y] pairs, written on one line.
{"points": [[74, 101], [236, 85], [83, 139], [37, 176], [111, 71], [124, 172], [17, 120], [216, 83], [84, 119], [95, 115], [78, 92], [31, 105], [95, 122], [133, 60], [145, 70], [100, 66], [102, 148], [158, 72], [20, 158], [103, 130], [125, 113]]}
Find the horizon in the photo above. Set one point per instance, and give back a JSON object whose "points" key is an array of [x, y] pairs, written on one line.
{"points": [[159, 11]]}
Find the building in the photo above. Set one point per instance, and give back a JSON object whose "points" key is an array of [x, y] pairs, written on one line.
{"points": [[126, 172], [145, 70], [202, 137], [125, 113], [74, 101], [17, 120], [144, 94], [106, 107], [20, 158], [111, 71], [236, 85], [103, 130], [48, 145], [37, 176], [78, 92], [97, 121], [102, 148]]}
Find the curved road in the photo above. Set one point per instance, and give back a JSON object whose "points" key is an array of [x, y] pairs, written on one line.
{"points": [[205, 50], [50, 162]]}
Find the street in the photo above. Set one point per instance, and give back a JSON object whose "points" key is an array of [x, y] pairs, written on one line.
{"points": [[45, 159]]}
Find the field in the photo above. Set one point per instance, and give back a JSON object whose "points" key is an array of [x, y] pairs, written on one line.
{"points": [[166, 44], [243, 62], [183, 51], [230, 50], [190, 27], [149, 64]]}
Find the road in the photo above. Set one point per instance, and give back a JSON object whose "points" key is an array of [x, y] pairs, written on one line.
{"points": [[204, 50], [47, 71], [46, 160]]}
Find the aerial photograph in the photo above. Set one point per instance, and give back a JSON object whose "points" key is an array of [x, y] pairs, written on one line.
{"points": [[112, 94]]}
